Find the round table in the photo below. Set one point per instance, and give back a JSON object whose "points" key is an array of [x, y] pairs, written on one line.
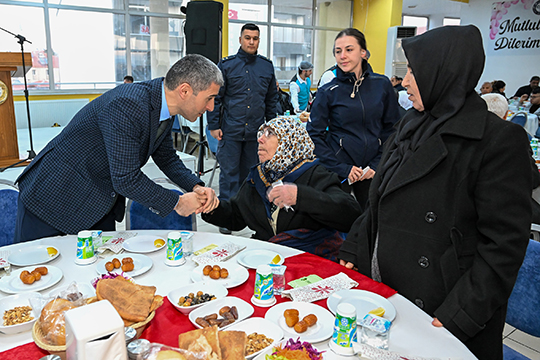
{"points": [[411, 332]]}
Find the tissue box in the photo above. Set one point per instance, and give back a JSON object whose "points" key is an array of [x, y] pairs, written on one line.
{"points": [[95, 331]]}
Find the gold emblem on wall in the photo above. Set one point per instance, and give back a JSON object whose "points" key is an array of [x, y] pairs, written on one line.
{"points": [[3, 92]]}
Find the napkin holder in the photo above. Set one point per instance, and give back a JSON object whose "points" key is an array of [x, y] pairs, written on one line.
{"points": [[95, 331]]}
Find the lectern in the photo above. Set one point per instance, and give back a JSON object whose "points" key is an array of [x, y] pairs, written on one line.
{"points": [[10, 66]]}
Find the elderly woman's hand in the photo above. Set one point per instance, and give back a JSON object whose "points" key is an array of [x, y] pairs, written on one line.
{"points": [[284, 195]]}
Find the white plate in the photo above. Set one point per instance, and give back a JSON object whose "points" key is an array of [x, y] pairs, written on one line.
{"points": [[86, 289], [212, 288], [142, 244], [253, 258], [142, 264], [245, 310], [32, 255], [269, 350], [13, 284], [322, 330], [363, 301], [237, 275], [13, 301], [260, 326]]}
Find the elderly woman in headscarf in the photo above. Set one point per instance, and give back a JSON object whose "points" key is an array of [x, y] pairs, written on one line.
{"points": [[289, 198], [450, 210]]}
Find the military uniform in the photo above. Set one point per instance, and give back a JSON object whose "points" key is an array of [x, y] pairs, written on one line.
{"points": [[248, 97]]}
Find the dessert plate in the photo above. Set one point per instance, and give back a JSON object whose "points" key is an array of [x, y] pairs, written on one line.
{"points": [[32, 255], [253, 258], [13, 284], [363, 301], [260, 326], [143, 244], [142, 264], [207, 287], [322, 330], [237, 275], [245, 310]]}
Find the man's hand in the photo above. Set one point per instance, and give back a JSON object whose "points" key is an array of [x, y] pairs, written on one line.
{"points": [[216, 134], [348, 265], [523, 98], [436, 323], [188, 204], [207, 197], [284, 195]]}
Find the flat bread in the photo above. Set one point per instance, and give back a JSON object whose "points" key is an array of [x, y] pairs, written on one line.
{"points": [[232, 344], [131, 301], [170, 355], [210, 334]]}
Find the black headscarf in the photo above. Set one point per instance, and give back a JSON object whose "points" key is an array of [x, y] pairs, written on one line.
{"points": [[447, 63]]}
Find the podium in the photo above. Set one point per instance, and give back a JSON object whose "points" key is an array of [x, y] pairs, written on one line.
{"points": [[10, 66]]}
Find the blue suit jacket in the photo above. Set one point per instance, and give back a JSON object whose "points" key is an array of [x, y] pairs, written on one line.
{"points": [[76, 179]]}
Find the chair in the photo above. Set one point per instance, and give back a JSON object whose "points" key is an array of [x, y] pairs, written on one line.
{"points": [[212, 145], [183, 130], [139, 217], [524, 302], [8, 208]]}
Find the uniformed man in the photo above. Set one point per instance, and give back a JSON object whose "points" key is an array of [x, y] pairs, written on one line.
{"points": [[248, 97], [300, 87]]}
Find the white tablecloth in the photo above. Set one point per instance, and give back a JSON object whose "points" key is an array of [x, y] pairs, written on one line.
{"points": [[411, 332]]}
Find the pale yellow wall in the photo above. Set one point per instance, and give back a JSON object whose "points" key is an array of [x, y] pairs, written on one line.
{"points": [[373, 18], [225, 30], [90, 97]]}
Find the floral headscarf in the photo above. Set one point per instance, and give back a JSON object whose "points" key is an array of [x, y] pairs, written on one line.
{"points": [[295, 148]]}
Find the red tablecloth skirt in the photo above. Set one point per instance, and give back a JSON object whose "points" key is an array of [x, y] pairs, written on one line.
{"points": [[169, 323]]}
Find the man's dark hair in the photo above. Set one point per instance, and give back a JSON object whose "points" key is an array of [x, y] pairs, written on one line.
{"points": [[129, 78], [535, 78], [357, 34], [536, 91], [250, 26], [195, 70]]}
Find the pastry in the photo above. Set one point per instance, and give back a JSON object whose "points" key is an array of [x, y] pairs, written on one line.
{"points": [[301, 326], [310, 319]]}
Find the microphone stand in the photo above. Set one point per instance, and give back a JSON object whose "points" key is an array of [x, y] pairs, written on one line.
{"points": [[202, 144], [31, 153]]}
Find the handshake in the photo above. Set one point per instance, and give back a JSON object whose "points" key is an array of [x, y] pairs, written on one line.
{"points": [[201, 199]]}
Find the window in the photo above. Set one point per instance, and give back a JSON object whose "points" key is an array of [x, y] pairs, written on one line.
{"points": [[86, 46], [451, 21], [33, 29], [94, 44], [297, 30], [421, 23], [156, 44], [248, 10]]}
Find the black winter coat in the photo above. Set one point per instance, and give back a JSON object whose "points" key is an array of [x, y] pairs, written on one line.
{"points": [[320, 203], [454, 221]]}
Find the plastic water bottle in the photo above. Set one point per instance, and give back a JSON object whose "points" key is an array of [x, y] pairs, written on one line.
{"points": [[288, 113]]}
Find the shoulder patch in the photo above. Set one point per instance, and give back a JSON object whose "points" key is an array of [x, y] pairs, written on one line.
{"points": [[264, 57], [226, 58]]}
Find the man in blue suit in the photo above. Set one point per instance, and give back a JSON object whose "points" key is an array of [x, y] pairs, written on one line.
{"points": [[80, 180]]}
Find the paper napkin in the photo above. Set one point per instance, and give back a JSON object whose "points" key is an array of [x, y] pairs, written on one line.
{"points": [[218, 254], [321, 289], [114, 244]]}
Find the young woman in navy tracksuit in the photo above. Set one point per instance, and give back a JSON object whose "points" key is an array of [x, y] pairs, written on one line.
{"points": [[352, 116]]}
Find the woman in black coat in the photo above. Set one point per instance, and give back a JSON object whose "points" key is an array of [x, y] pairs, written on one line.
{"points": [[289, 198], [449, 216]]}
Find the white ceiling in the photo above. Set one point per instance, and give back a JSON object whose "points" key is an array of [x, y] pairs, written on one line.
{"points": [[447, 8]]}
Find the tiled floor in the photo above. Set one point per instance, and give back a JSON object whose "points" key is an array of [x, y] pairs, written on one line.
{"points": [[519, 341]]}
